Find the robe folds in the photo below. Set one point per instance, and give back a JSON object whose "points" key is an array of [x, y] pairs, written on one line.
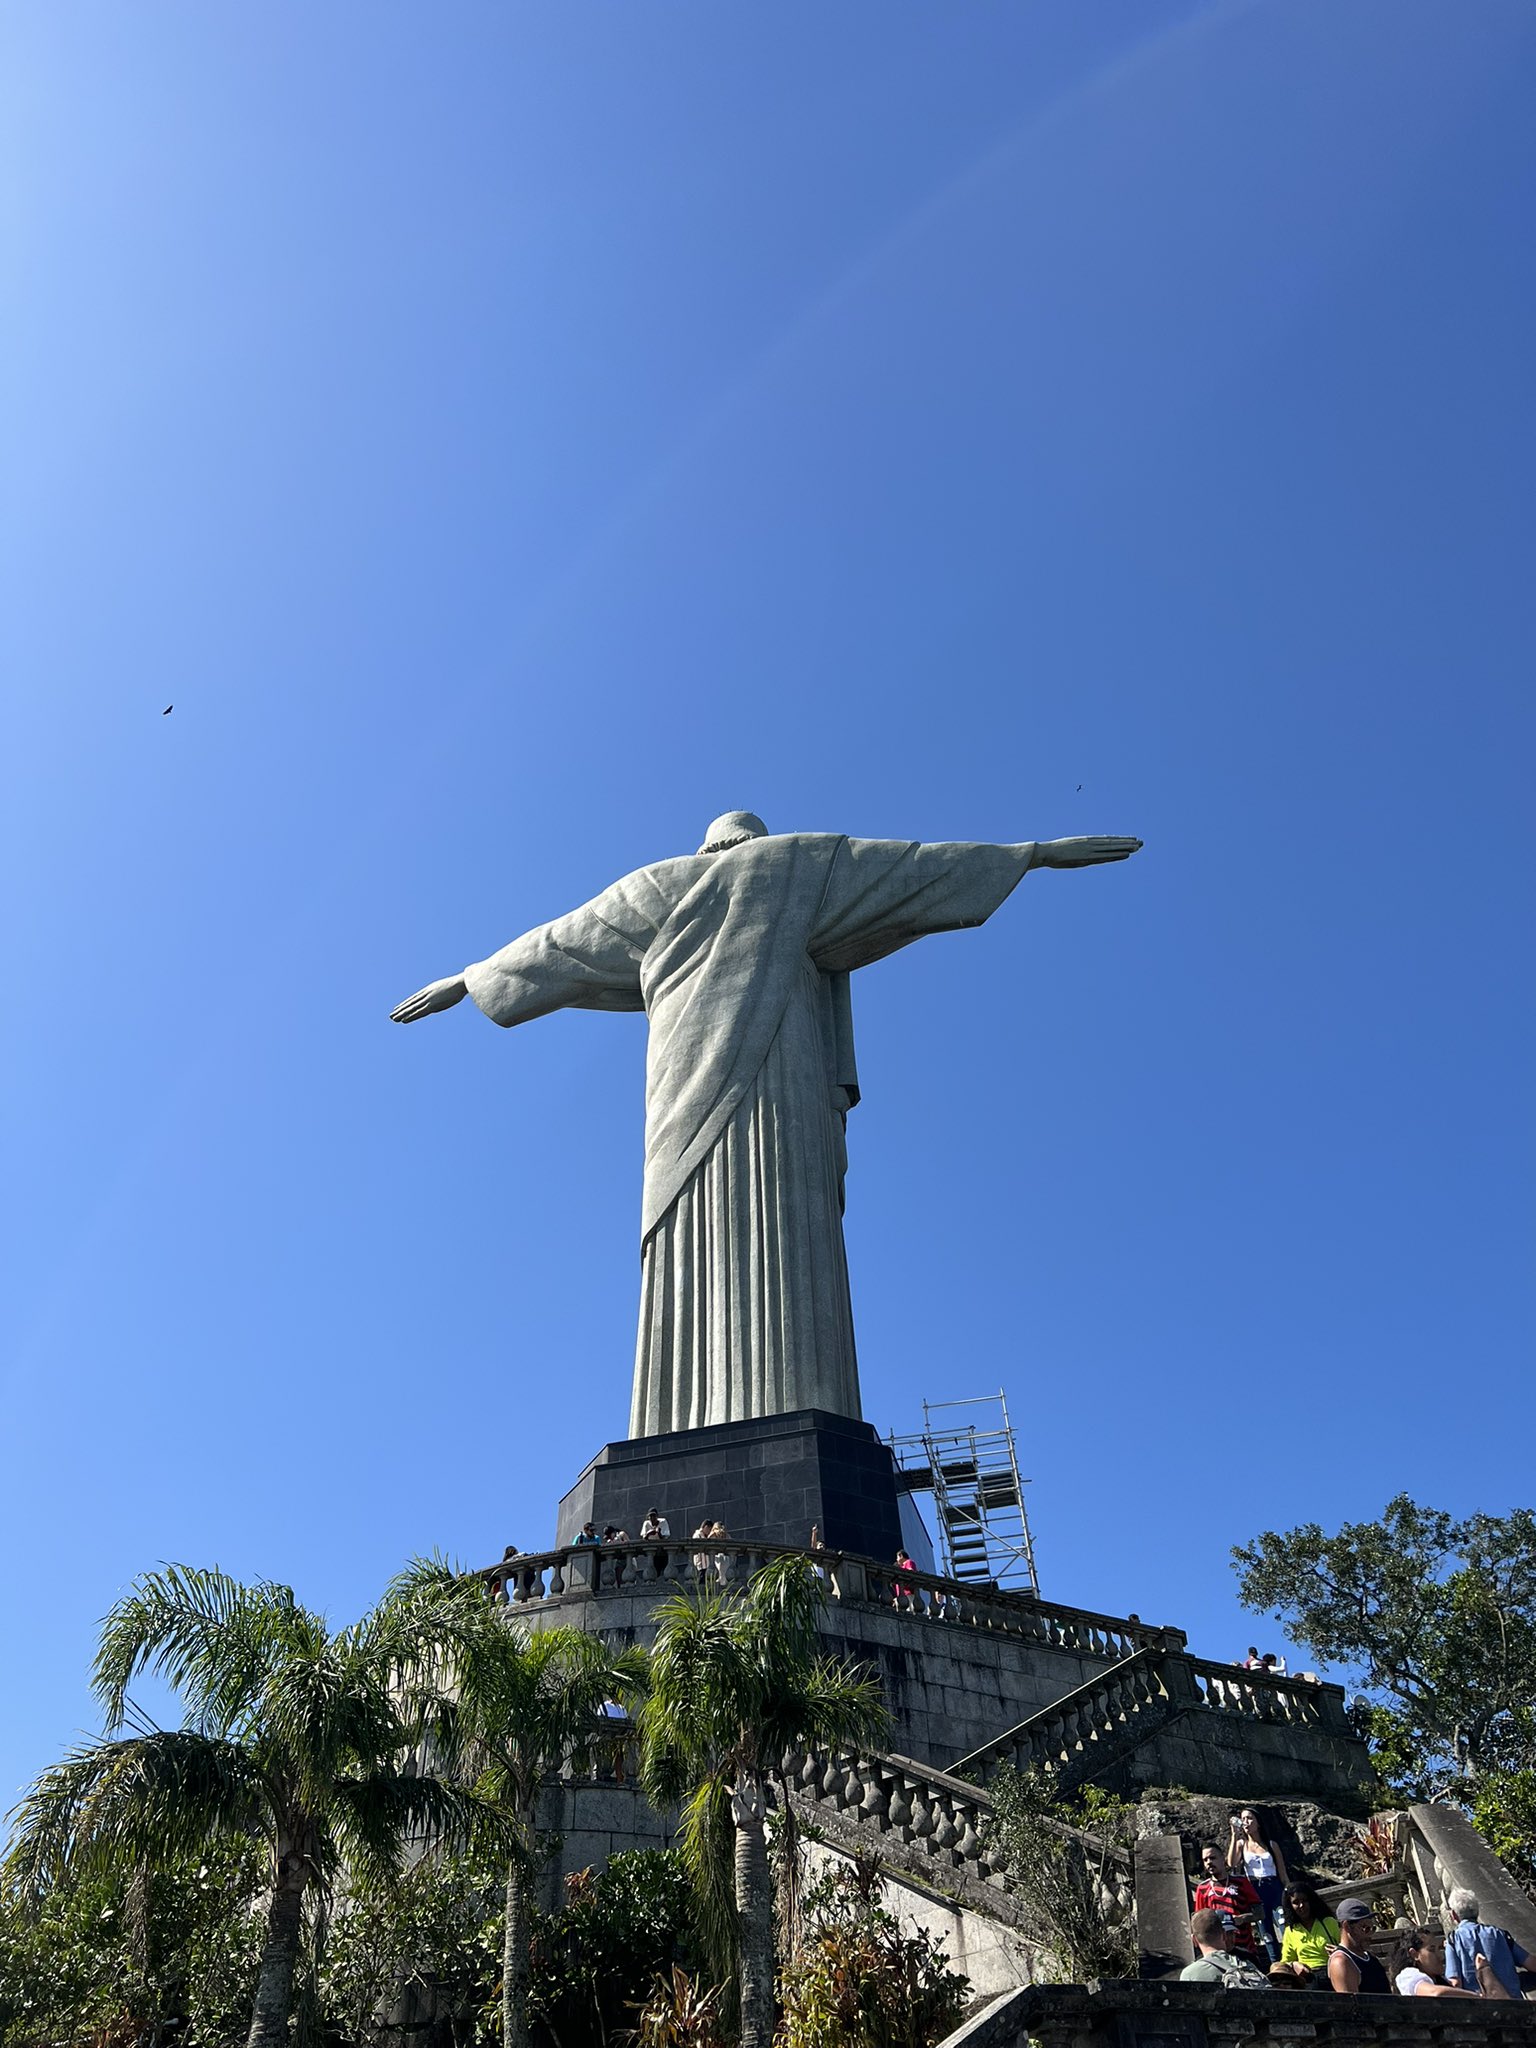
{"points": [[740, 960]]}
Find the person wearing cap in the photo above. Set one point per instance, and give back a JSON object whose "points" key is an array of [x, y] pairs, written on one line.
{"points": [[1215, 1962], [1351, 1967]]}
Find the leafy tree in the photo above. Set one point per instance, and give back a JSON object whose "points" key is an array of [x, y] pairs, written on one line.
{"points": [[295, 1742], [431, 1937], [1437, 1617], [515, 1705], [736, 1681], [618, 1931]]}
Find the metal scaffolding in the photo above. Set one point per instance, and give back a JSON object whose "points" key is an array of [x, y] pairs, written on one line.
{"points": [[972, 1470]]}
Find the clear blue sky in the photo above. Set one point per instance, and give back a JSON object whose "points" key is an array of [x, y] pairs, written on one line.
{"points": [[511, 434]]}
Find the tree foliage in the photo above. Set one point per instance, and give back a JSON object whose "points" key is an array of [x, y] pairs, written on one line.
{"points": [[428, 1944], [162, 1954], [505, 1706], [1061, 1877], [1435, 1617], [296, 1744], [618, 1930], [737, 1681]]}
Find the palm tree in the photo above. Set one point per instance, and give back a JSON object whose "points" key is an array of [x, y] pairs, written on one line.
{"points": [[518, 1703], [293, 1737], [736, 1681]]}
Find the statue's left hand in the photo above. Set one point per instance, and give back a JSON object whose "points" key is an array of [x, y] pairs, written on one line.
{"points": [[437, 995], [1083, 853]]}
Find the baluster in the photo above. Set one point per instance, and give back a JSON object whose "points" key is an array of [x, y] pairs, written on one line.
{"points": [[874, 1807], [946, 1832], [899, 1810], [924, 1819], [557, 1576]]}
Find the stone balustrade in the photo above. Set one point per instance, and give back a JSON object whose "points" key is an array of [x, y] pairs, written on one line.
{"points": [[588, 1570], [1303, 1702], [1058, 1736], [1071, 1736], [940, 1821]]}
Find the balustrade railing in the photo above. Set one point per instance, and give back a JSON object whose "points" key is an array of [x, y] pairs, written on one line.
{"points": [[938, 1819], [1303, 1702], [1155, 1681], [1066, 1733], [587, 1570]]}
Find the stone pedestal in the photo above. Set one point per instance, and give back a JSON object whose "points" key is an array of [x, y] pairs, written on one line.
{"points": [[767, 1479]]}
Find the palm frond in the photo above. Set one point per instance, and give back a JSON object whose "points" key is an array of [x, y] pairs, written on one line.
{"points": [[207, 1635], [110, 1804], [389, 1817], [831, 1706], [707, 1838]]}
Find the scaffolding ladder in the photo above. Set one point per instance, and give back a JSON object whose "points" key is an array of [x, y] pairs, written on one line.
{"points": [[972, 1470]]}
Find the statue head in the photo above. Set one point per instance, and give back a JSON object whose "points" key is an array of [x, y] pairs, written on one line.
{"points": [[732, 829]]}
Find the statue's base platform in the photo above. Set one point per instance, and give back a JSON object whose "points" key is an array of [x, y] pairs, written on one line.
{"points": [[767, 1480]]}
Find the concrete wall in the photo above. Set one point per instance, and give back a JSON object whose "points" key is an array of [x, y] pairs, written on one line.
{"points": [[950, 1687], [595, 1821], [1240, 1755], [992, 1956]]}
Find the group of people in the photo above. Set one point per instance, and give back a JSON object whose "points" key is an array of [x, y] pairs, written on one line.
{"points": [[656, 1528], [1255, 1929], [1271, 1665]]}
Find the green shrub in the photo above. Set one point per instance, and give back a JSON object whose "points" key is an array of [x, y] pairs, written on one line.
{"points": [[859, 1979], [597, 1958]]}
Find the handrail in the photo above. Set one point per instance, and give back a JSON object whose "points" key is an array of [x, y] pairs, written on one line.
{"points": [[1213, 1672], [1032, 1734], [533, 1578], [935, 1817]]}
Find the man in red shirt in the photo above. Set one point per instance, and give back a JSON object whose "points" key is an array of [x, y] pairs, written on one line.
{"points": [[1223, 1890]]}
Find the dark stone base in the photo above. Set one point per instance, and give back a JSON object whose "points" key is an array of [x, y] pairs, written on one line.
{"points": [[767, 1479]]}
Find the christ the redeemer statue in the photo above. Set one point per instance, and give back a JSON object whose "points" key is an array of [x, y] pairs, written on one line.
{"points": [[740, 956]]}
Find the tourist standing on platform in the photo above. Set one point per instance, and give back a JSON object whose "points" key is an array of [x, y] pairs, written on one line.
{"points": [[904, 1590], [1259, 1859], [655, 1527]]}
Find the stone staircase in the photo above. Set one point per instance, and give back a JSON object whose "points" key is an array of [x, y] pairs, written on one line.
{"points": [[1081, 1736], [927, 1825]]}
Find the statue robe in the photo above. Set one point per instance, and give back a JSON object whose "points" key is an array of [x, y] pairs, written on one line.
{"points": [[740, 961]]}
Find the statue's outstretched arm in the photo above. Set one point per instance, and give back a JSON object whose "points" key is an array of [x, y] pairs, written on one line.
{"points": [[1082, 853], [437, 995]]}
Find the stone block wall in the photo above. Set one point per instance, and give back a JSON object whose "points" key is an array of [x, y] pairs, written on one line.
{"points": [[1173, 2015], [1242, 1755], [950, 1687]]}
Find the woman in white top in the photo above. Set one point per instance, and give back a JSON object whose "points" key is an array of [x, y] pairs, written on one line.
{"points": [[1250, 1850], [1420, 1963]]}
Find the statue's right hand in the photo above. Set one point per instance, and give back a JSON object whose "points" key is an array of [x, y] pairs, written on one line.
{"points": [[437, 995]]}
